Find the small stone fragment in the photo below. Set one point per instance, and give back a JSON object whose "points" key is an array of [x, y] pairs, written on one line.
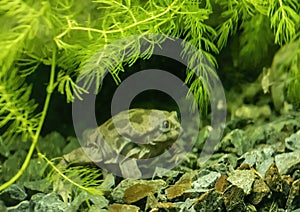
{"points": [[95, 208], [293, 142], [293, 200], [273, 178], [13, 163], [166, 205], [219, 162], [179, 188], [222, 183], [287, 179], [48, 202], [13, 195], [245, 166], [205, 180], [210, 201], [234, 142], [118, 193], [21, 207], [187, 205], [296, 175], [259, 191], [38, 185], [151, 202], [260, 158], [287, 162], [243, 179], [234, 199], [99, 202], [137, 192], [122, 207]]}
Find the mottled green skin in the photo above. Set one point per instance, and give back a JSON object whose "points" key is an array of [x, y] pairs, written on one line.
{"points": [[137, 133]]}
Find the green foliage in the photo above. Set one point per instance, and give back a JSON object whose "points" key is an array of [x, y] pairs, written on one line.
{"points": [[73, 38], [17, 109], [285, 19], [250, 42], [287, 63], [70, 181]]}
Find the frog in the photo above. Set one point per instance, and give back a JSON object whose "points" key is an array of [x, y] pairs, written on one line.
{"points": [[128, 136]]}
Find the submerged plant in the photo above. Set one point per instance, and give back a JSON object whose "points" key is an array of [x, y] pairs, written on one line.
{"points": [[66, 178], [65, 34]]}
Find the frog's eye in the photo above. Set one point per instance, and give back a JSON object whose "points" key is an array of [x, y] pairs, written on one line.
{"points": [[165, 124]]}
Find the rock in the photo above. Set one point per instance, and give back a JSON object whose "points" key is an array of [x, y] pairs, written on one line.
{"points": [[293, 200], [273, 179], [21, 207], [183, 185], [122, 207], [49, 202], [287, 162], [205, 180], [296, 174], [219, 162], [243, 179], [13, 195], [178, 189], [210, 201], [151, 202], [166, 206], [99, 202], [94, 208], [38, 185], [165, 174], [12, 164], [234, 199], [234, 142], [259, 191], [275, 131], [293, 142], [118, 194], [261, 159], [222, 183], [137, 192]]}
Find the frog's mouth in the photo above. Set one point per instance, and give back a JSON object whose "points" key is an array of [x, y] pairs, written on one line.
{"points": [[168, 138], [165, 143]]}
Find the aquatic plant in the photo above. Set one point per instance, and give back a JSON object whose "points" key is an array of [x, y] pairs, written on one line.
{"points": [[65, 34]]}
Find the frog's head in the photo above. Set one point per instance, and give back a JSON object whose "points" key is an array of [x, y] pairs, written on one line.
{"points": [[147, 126], [158, 126], [168, 129]]}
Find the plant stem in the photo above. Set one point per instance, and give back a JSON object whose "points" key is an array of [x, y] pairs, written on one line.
{"points": [[282, 11], [66, 178], [35, 137]]}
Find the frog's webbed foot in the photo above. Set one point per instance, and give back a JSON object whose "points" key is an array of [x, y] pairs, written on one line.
{"points": [[130, 169]]}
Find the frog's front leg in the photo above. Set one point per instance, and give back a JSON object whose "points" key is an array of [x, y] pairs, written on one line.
{"points": [[77, 156]]}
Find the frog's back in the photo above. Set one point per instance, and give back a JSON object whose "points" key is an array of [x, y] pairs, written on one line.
{"points": [[136, 133]]}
